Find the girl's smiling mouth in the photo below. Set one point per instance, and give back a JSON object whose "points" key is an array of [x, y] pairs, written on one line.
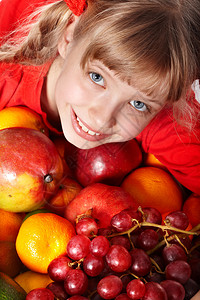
{"points": [[83, 130]]}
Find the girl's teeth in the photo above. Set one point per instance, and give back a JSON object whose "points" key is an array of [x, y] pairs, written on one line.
{"points": [[84, 128], [91, 132]]}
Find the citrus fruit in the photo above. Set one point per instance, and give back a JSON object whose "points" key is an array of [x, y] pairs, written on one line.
{"points": [[149, 160], [41, 238], [154, 187], [20, 116], [37, 211], [10, 224], [10, 289], [30, 280], [192, 209], [10, 263]]}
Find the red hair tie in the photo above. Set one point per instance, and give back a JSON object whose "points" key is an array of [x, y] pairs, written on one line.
{"points": [[76, 6]]}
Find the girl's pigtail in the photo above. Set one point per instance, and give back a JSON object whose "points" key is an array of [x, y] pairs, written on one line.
{"points": [[40, 43]]}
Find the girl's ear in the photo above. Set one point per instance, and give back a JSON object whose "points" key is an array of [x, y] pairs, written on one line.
{"points": [[67, 37]]}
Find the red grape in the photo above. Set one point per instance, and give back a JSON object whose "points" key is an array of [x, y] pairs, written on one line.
{"points": [[141, 263], [77, 297], [191, 288], [58, 268], [121, 221], [156, 277], [122, 296], [58, 290], [195, 267], [177, 219], [173, 252], [99, 246], [93, 265], [178, 270], [87, 226], [76, 282], [92, 284], [154, 291], [152, 215], [134, 215], [109, 287], [135, 289], [105, 231], [147, 239], [118, 258], [121, 240], [40, 294], [78, 247], [125, 280], [174, 289], [185, 241], [159, 260]]}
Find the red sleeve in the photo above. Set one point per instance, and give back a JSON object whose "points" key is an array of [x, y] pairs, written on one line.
{"points": [[177, 148], [14, 12]]}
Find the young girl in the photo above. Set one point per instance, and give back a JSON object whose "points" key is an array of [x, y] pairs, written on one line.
{"points": [[109, 71]]}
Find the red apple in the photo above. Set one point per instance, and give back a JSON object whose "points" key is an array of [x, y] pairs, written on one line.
{"points": [[108, 163], [105, 201], [30, 169]]}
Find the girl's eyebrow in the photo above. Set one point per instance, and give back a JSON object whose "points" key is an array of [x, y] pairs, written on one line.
{"points": [[151, 101], [111, 73], [102, 67]]}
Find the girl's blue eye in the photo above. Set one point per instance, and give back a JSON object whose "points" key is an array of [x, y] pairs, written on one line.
{"points": [[138, 105], [97, 78]]}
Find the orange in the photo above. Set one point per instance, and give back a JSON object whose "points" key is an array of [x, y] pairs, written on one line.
{"points": [[10, 224], [41, 238], [191, 207], [30, 280], [149, 160], [19, 116], [68, 190], [10, 263], [154, 187]]}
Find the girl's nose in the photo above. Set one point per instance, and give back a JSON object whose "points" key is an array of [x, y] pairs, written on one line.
{"points": [[104, 116]]}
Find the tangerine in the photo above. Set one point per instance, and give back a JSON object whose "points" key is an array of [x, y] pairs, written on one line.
{"points": [[19, 116], [41, 238], [149, 160], [30, 280], [154, 187], [191, 208]]}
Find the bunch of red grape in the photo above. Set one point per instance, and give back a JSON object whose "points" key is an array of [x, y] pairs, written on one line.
{"points": [[137, 257]]}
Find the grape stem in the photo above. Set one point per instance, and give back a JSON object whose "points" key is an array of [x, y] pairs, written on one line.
{"points": [[76, 262], [193, 231], [164, 228]]}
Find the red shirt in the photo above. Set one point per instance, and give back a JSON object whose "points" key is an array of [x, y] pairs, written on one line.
{"points": [[176, 148]]}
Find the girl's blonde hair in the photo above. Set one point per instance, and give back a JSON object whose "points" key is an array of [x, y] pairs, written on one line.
{"points": [[157, 41]]}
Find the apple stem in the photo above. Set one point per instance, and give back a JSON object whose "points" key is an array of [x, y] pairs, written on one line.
{"points": [[48, 178]]}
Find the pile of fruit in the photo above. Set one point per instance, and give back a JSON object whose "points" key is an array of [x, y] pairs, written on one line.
{"points": [[104, 223], [135, 258]]}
